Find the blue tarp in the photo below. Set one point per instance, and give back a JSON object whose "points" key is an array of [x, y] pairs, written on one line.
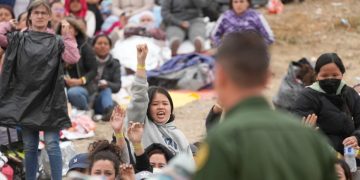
{"points": [[181, 62]]}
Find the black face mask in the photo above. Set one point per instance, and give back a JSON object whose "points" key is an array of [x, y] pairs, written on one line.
{"points": [[330, 86]]}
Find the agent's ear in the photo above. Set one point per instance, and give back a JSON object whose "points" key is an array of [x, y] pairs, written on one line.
{"points": [[268, 78], [220, 77]]}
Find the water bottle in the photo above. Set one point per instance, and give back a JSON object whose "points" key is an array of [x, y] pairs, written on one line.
{"points": [[349, 155]]}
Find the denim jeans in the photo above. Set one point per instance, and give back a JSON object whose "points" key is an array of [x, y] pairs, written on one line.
{"points": [[31, 143], [103, 101], [78, 97]]}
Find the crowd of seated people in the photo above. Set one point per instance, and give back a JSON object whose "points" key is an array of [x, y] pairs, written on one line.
{"points": [[145, 137]]}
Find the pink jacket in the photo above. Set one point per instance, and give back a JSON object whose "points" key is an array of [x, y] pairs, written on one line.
{"points": [[70, 55]]}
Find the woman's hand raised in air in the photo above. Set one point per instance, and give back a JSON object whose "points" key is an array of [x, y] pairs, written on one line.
{"points": [[142, 51]]}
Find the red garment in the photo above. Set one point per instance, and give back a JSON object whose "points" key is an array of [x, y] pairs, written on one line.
{"points": [[113, 26], [81, 13], [7, 171]]}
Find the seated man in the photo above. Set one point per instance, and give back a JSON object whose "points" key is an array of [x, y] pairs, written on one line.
{"points": [[183, 18], [125, 9]]}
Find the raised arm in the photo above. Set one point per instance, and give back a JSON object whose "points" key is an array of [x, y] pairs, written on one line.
{"points": [[135, 133], [138, 106], [6, 27], [117, 124], [71, 53]]}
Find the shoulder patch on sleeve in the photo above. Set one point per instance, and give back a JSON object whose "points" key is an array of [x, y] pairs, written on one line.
{"points": [[202, 156]]}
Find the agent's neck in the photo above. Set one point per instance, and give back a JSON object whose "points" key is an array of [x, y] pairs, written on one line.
{"points": [[238, 95]]}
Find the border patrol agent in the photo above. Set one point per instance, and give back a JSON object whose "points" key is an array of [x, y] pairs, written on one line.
{"points": [[255, 142]]}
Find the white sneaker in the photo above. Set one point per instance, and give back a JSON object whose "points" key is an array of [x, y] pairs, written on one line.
{"points": [[97, 117]]}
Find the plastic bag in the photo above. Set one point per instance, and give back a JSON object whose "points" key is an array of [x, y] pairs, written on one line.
{"points": [[32, 85], [275, 7], [67, 152]]}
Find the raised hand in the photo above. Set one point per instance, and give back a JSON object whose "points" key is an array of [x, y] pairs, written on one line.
{"points": [[127, 172], [65, 28], [14, 23], [351, 141], [117, 119], [310, 120], [142, 51], [135, 132]]}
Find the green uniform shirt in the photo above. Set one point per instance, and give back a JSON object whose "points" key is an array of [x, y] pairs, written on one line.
{"points": [[257, 143]]}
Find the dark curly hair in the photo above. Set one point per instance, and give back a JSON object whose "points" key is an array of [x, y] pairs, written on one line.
{"points": [[104, 150]]}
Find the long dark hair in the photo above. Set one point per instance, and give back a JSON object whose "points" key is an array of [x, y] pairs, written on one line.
{"points": [[104, 150], [74, 23], [329, 58], [345, 167], [154, 90]]}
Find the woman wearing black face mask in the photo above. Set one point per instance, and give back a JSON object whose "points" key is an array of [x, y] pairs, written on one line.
{"points": [[336, 105]]}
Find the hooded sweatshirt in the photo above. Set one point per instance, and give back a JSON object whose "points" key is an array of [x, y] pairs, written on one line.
{"points": [[165, 134]]}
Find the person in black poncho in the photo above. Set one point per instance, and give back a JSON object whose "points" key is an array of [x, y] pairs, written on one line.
{"points": [[32, 94]]}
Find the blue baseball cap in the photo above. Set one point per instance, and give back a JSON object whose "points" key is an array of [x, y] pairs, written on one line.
{"points": [[79, 161]]}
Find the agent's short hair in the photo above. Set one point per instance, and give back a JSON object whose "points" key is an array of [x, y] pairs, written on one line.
{"points": [[245, 58], [104, 150]]}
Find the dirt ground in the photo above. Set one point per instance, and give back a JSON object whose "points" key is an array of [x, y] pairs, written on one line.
{"points": [[302, 30]]}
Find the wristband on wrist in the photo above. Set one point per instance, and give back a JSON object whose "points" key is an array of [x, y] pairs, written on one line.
{"points": [[118, 135], [137, 146], [83, 80], [141, 67]]}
